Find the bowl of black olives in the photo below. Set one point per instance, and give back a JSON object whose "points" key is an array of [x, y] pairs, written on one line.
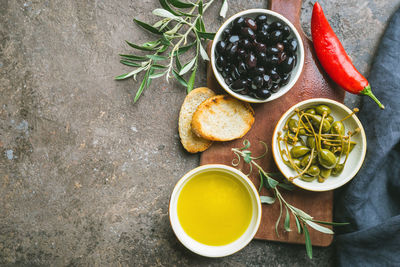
{"points": [[319, 144], [257, 55]]}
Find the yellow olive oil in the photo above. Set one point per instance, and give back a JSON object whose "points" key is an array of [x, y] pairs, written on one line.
{"points": [[214, 208]]}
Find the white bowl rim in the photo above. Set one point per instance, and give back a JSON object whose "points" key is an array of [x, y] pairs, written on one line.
{"points": [[288, 86], [321, 187], [202, 249]]}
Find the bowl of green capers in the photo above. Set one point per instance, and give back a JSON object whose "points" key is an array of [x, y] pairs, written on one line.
{"points": [[319, 144]]}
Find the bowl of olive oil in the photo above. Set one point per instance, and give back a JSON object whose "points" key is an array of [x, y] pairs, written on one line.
{"points": [[215, 210]]}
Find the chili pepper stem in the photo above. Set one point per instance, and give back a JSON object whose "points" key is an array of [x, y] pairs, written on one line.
{"points": [[367, 91]]}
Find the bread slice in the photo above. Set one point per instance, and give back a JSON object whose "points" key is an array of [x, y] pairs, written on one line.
{"points": [[222, 118], [191, 142]]}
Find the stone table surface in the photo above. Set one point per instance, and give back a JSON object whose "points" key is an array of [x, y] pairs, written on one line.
{"points": [[86, 174]]}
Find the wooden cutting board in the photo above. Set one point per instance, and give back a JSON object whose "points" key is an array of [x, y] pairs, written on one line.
{"points": [[312, 83]]}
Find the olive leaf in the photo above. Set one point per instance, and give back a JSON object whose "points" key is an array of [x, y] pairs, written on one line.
{"points": [[224, 9], [187, 66], [267, 200]]}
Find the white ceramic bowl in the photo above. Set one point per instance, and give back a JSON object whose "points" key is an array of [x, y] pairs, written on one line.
{"points": [[272, 16], [356, 156], [215, 251]]}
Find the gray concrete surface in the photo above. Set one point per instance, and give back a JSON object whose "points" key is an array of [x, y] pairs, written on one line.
{"points": [[85, 174]]}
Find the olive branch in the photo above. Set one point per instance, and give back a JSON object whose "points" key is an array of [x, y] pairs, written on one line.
{"points": [[302, 219]]}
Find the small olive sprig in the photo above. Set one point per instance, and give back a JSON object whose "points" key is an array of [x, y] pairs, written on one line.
{"points": [[302, 219], [182, 29]]}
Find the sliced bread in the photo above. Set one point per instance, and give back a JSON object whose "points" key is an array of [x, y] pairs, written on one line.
{"points": [[222, 118], [191, 142]]}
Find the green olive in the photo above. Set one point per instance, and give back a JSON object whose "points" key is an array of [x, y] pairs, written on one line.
{"points": [[338, 169], [326, 158], [299, 151], [346, 146], [306, 159], [330, 119], [338, 128], [308, 178], [321, 109], [325, 173], [313, 170], [316, 122], [311, 142]]}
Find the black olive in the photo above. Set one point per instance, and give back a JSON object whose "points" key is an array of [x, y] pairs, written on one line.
{"points": [[233, 38], [263, 93], [259, 70], [228, 80], [264, 28], [276, 36], [221, 62], [227, 33], [246, 44], [235, 73], [276, 25], [282, 56], [238, 23], [260, 47], [280, 47], [242, 67], [287, 65], [221, 45], [273, 59], [263, 37], [274, 76], [286, 31], [241, 52], [260, 19], [275, 87], [291, 45], [285, 79], [272, 50], [249, 22], [233, 50], [245, 91], [247, 32], [267, 81], [239, 84], [251, 60], [262, 58], [257, 82], [225, 72]]}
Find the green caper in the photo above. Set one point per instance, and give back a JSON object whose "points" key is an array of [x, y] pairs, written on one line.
{"points": [[299, 151], [326, 158], [321, 109], [346, 146], [290, 138], [306, 159], [292, 124], [338, 128], [308, 178], [297, 162], [313, 170], [316, 122], [338, 169], [330, 119], [310, 111], [325, 173], [311, 142]]}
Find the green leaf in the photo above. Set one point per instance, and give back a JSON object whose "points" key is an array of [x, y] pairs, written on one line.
{"points": [[186, 14], [203, 53], [289, 187], [147, 27], [133, 57], [287, 221], [165, 5], [330, 223], [151, 44], [162, 49], [201, 7], [127, 75], [246, 144], [156, 57], [179, 4], [165, 13], [261, 181], [308, 241], [279, 217], [247, 156], [319, 228], [188, 66], [299, 228], [178, 63], [164, 40], [267, 200], [157, 75], [191, 81], [224, 9], [142, 87], [200, 25], [158, 67], [130, 63], [144, 48], [179, 78], [184, 49], [206, 35], [301, 213], [272, 183], [150, 79]]}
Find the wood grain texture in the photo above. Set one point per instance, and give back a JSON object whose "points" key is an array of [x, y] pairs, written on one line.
{"points": [[312, 83]]}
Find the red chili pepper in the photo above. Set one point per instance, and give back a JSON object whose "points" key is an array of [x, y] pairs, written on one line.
{"points": [[334, 58]]}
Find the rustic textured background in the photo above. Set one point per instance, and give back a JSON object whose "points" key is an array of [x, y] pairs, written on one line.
{"points": [[85, 174]]}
